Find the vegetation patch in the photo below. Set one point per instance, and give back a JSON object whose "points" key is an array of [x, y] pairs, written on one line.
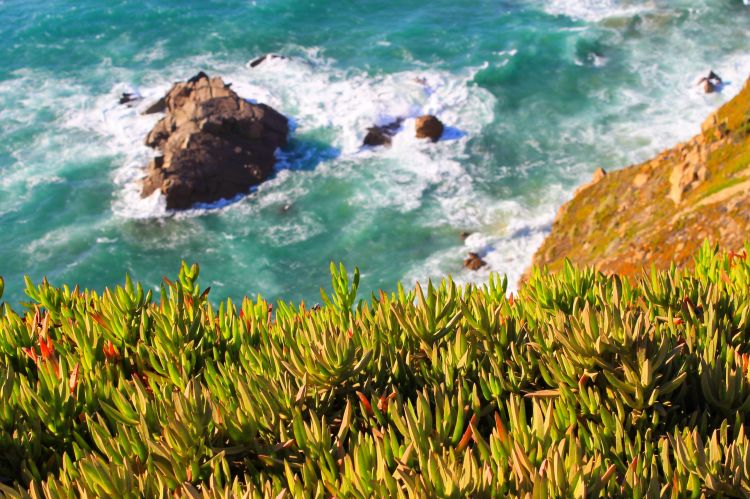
{"points": [[580, 385]]}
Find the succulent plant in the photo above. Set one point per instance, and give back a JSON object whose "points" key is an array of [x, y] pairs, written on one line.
{"points": [[579, 385]]}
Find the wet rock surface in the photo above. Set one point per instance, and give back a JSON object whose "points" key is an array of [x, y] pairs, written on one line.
{"points": [[214, 145], [382, 135], [429, 127], [474, 262]]}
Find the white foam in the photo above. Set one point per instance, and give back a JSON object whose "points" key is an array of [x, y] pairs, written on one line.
{"points": [[155, 53], [31, 104], [595, 10], [56, 241], [593, 59], [677, 114], [320, 96], [295, 229], [338, 105], [511, 232], [320, 99]]}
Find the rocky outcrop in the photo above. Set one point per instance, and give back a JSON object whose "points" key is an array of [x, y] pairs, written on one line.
{"points": [[214, 144], [661, 211], [429, 127], [382, 135], [598, 175]]}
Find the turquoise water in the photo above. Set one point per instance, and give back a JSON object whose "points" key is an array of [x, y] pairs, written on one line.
{"points": [[536, 93]]}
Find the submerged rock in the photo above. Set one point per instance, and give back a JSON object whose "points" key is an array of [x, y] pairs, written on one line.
{"points": [[382, 135], [429, 127], [214, 144]]}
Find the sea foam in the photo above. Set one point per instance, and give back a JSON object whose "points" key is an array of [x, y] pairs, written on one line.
{"points": [[323, 100], [330, 109], [596, 10]]}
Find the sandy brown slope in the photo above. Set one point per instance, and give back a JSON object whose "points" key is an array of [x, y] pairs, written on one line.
{"points": [[662, 210]]}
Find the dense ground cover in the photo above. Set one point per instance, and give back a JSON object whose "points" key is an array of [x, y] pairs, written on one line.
{"points": [[580, 385]]}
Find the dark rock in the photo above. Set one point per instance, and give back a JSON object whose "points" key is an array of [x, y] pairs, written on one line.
{"points": [[711, 83], [376, 137], [159, 106], [465, 235], [260, 60], [429, 127], [214, 144], [128, 97], [474, 262], [198, 77], [382, 135]]}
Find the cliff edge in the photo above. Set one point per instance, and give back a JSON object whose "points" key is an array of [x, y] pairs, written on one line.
{"points": [[660, 211]]}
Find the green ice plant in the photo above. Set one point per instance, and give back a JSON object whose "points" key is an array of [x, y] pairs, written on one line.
{"points": [[577, 385]]}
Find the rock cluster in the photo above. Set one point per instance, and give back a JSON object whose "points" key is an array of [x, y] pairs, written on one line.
{"points": [[689, 172], [426, 127], [214, 144]]}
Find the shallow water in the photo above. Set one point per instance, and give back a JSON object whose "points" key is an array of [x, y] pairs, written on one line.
{"points": [[537, 94]]}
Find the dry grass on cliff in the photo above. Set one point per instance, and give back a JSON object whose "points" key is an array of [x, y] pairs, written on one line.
{"points": [[659, 212]]}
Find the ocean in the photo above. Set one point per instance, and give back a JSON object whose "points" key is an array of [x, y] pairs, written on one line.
{"points": [[536, 94]]}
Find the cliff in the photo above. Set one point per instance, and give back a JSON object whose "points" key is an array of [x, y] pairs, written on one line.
{"points": [[660, 211]]}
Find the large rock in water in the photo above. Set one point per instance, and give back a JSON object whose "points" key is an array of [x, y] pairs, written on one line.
{"points": [[215, 145]]}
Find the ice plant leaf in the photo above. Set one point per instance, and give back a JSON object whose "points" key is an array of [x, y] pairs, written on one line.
{"points": [[586, 386]]}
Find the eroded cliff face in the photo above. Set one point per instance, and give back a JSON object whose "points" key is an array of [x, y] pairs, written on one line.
{"points": [[660, 211]]}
